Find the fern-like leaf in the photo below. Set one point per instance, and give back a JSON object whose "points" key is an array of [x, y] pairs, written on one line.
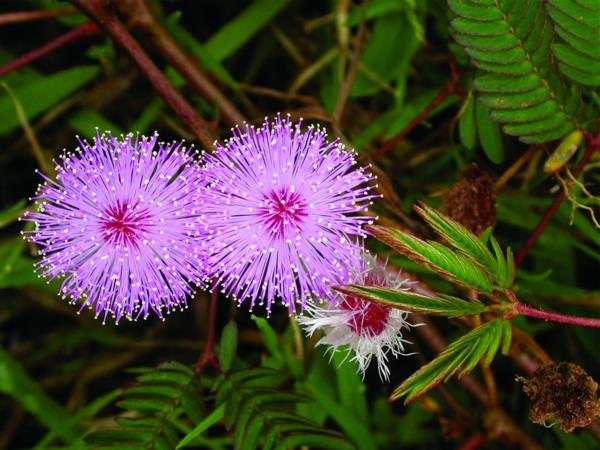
{"points": [[577, 22], [440, 305], [454, 266], [456, 235], [460, 357], [510, 42], [152, 407], [263, 415]]}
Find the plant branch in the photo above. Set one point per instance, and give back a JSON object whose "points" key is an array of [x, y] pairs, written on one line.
{"points": [[593, 145], [139, 14], [208, 356], [529, 311], [86, 29], [30, 16], [106, 19], [446, 91], [346, 87]]}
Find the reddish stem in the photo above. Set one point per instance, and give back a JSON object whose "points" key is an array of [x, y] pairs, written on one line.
{"points": [[208, 356], [593, 145], [473, 443], [556, 317], [30, 16], [439, 98], [139, 14], [98, 10], [86, 29]]}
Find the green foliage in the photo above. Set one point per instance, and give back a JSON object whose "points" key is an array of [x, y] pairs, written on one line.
{"points": [[228, 346], [454, 266], [442, 305], [39, 95], [239, 30], [489, 134], [466, 124], [480, 344], [500, 266], [577, 23], [511, 42], [18, 385], [535, 68], [155, 408], [263, 415]]}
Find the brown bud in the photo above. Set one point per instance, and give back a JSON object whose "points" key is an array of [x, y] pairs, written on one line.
{"points": [[471, 201], [564, 393]]}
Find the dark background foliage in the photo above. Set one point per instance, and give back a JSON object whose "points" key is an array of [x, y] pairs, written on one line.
{"points": [[389, 80]]}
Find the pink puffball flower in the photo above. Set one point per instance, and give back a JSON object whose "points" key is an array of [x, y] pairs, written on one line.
{"points": [[120, 223], [284, 212], [365, 329]]}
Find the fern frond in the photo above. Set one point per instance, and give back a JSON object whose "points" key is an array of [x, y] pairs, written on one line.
{"points": [[263, 414], [152, 406], [510, 42]]}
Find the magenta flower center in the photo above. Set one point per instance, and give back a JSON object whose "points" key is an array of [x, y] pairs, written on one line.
{"points": [[369, 318], [124, 225], [283, 210]]}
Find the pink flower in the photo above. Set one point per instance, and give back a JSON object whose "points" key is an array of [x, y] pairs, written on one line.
{"points": [[366, 329], [284, 213], [121, 225]]}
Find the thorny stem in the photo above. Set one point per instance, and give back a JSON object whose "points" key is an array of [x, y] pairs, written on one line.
{"points": [[529, 311], [140, 15], [30, 16], [86, 29], [593, 145], [100, 12], [208, 356], [439, 98]]}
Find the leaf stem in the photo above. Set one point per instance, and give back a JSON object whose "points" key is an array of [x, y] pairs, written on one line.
{"points": [[208, 356], [593, 145], [86, 29], [30, 16], [107, 20], [529, 311]]}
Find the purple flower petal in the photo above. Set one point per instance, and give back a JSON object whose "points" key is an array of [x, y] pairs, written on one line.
{"points": [[121, 223], [284, 211]]}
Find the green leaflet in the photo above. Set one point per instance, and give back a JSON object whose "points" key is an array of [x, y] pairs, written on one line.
{"points": [[473, 265], [157, 399], [511, 42], [39, 95], [208, 422], [242, 28], [263, 415], [466, 124], [456, 235], [460, 357], [448, 264], [489, 134], [228, 346], [578, 25], [441, 305]]}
